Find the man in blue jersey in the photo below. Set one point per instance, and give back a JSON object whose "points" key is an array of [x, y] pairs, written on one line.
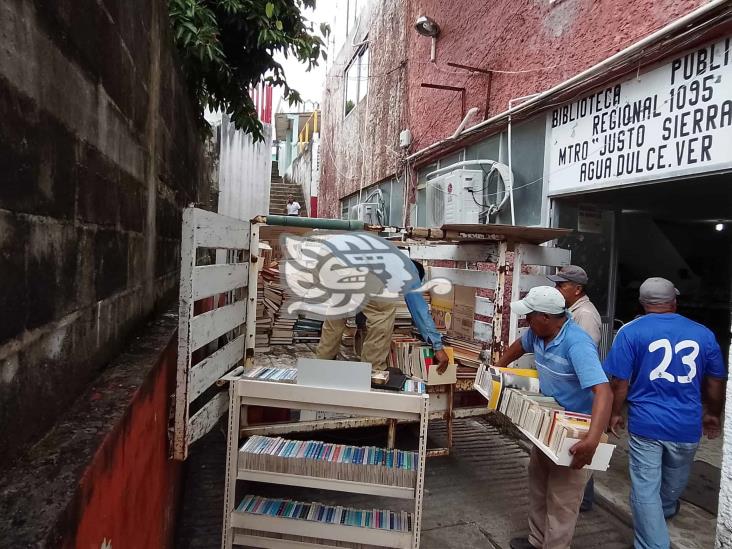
{"points": [[570, 371], [664, 365]]}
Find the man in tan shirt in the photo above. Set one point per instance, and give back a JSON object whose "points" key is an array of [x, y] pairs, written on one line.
{"points": [[571, 281]]}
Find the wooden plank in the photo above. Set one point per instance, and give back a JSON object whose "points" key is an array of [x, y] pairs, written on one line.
{"points": [[205, 419], [209, 280], [458, 252], [528, 281], [464, 277], [484, 306], [214, 230], [544, 255], [185, 314], [513, 233], [208, 326], [251, 299], [207, 372]]}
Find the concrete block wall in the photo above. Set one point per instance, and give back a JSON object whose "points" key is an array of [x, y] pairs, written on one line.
{"points": [[98, 154]]}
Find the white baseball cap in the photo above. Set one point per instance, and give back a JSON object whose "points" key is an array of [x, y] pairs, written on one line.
{"points": [[541, 299]]}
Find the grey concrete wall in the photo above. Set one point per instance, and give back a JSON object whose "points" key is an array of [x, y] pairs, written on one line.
{"points": [[98, 154]]}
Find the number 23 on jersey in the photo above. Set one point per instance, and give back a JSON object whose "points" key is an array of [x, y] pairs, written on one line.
{"points": [[687, 350]]}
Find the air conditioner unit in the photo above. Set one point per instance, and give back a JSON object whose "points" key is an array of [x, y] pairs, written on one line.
{"points": [[454, 197], [368, 212]]}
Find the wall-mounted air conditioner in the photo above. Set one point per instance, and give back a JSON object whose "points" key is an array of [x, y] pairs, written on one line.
{"points": [[454, 197], [368, 212]]}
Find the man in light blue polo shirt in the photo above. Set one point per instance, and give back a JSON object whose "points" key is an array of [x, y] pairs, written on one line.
{"points": [[570, 371], [663, 363]]}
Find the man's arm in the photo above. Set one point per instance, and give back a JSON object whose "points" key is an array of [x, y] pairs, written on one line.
{"points": [[514, 352], [619, 388], [584, 450], [426, 325], [713, 404]]}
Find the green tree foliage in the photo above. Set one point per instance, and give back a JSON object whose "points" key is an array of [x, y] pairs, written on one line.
{"points": [[228, 46]]}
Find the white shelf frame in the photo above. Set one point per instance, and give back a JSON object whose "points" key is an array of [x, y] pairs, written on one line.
{"points": [[322, 483], [319, 530], [379, 404]]}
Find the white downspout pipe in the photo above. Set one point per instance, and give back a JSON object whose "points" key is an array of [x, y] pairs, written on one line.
{"points": [[595, 69], [464, 122], [510, 164]]}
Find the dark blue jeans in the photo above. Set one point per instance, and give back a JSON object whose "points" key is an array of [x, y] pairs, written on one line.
{"points": [[589, 498]]}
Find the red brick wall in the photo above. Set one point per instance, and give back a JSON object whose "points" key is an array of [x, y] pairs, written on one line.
{"points": [[563, 38], [552, 42]]}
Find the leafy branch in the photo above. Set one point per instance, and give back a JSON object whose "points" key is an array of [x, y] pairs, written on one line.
{"points": [[228, 46]]}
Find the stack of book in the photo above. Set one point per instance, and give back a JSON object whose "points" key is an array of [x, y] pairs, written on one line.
{"points": [[402, 320], [325, 460], [307, 330], [494, 382], [264, 322], [467, 352], [399, 521], [411, 356], [262, 373], [544, 419], [414, 386], [415, 359], [274, 298]]}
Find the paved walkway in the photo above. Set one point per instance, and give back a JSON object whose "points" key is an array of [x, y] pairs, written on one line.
{"points": [[475, 498], [692, 528]]}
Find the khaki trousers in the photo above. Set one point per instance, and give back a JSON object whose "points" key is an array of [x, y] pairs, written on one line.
{"points": [[380, 317], [555, 495]]}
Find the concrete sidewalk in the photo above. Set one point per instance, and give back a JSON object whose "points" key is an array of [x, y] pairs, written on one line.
{"points": [[692, 528]]}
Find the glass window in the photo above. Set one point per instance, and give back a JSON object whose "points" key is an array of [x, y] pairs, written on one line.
{"points": [[351, 77], [357, 79], [363, 74]]}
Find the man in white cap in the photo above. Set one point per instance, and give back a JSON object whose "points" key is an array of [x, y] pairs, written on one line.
{"points": [[663, 363], [571, 281], [570, 371]]}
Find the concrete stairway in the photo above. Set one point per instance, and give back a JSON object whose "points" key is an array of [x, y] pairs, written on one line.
{"points": [[280, 190]]}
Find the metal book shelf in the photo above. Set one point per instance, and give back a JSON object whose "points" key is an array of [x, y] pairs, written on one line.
{"points": [[256, 530]]}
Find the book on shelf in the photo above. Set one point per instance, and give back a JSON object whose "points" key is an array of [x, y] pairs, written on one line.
{"points": [[382, 519], [370, 464], [264, 373]]}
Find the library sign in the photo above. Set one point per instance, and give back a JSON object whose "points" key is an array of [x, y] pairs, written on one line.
{"points": [[673, 120]]}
